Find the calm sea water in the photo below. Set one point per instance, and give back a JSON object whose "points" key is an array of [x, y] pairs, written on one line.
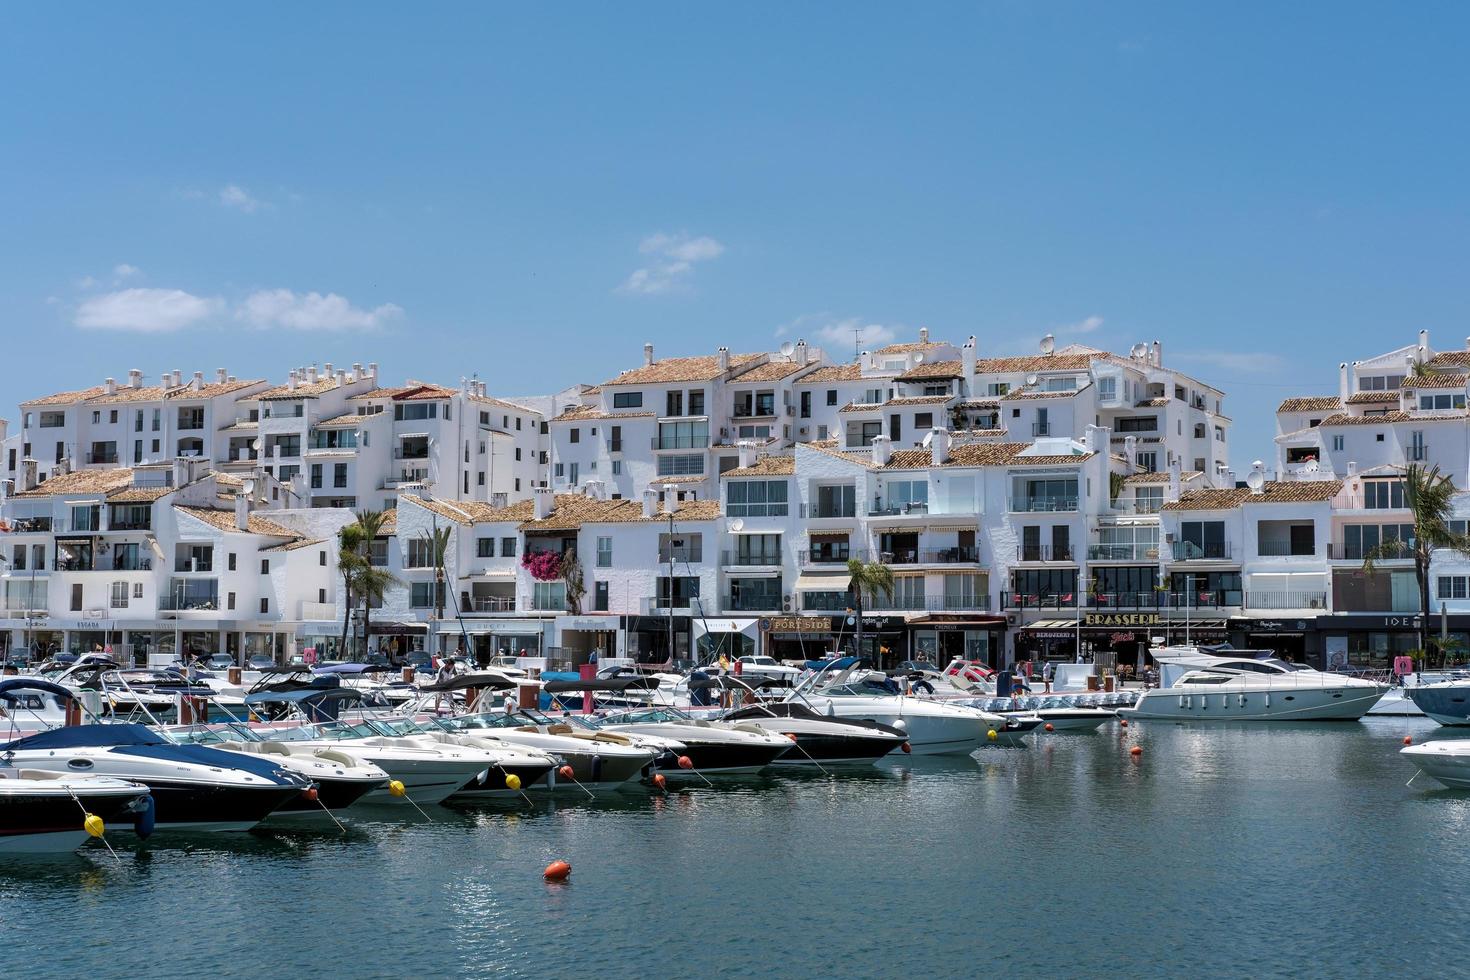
{"points": [[1249, 851]]}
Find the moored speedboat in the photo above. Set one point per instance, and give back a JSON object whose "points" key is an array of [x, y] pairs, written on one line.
{"points": [[713, 748], [818, 739], [1447, 702], [1445, 760], [43, 812]]}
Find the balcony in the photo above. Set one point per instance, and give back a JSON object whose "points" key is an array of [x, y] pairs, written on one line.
{"points": [[193, 565], [1045, 552], [1138, 505], [95, 457], [678, 442], [825, 601], [1041, 505], [318, 611], [615, 445], [1286, 600], [750, 603], [743, 559], [1396, 551], [958, 555], [916, 508], [1123, 552], [405, 476], [832, 556], [1040, 429], [411, 454], [192, 596], [1153, 599], [1210, 551], [899, 556], [929, 603], [492, 604], [818, 511], [1281, 549], [30, 525]]}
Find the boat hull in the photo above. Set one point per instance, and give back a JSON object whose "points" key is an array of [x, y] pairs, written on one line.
{"points": [[51, 823], [1448, 705], [1288, 704], [725, 759], [1441, 762]]}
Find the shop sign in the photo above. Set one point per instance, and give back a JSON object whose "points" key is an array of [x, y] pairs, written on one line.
{"points": [[796, 624], [1122, 619]]}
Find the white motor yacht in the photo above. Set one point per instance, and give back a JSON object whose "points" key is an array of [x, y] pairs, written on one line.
{"points": [[713, 747], [599, 759], [1242, 685], [1445, 760], [44, 812]]}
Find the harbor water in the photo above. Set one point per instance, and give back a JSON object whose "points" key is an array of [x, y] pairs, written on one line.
{"points": [[1251, 850]]}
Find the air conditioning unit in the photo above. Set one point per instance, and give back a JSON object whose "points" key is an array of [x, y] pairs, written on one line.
{"points": [[803, 430], [786, 604], [1013, 619]]}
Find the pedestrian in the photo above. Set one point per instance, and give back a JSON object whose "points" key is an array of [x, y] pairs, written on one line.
{"points": [[1047, 672]]}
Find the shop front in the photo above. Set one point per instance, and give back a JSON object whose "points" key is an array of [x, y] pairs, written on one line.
{"points": [[396, 640], [1296, 640], [580, 637], [1371, 642], [728, 637], [485, 640], [1114, 639], [940, 639], [885, 639], [648, 639]]}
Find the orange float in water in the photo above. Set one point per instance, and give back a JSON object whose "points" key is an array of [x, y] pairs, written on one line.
{"points": [[1050, 727], [907, 747], [685, 762], [566, 772], [557, 871], [1136, 750], [659, 780], [1124, 722], [1408, 740]]}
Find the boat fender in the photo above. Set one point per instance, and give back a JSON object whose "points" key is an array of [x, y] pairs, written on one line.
{"points": [[557, 871], [898, 723], [907, 748], [1242, 700], [597, 768], [660, 780], [144, 818], [1181, 700], [310, 794], [991, 735]]}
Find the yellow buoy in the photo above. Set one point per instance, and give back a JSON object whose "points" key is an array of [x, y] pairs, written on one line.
{"points": [[93, 825], [513, 781], [396, 788], [991, 735]]}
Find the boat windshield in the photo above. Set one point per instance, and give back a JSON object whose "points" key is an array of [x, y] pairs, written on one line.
{"points": [[488, 719], [644, 716]]}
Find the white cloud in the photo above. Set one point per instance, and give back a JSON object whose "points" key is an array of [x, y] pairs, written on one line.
{"points": [[1087, 325], [235, 196], [124, 271], [838, 334], [145, 310], [673, 261], [311, 311]]}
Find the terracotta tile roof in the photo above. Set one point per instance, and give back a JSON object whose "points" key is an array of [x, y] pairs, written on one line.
{"points": [[1311, 403], [425, 392], [82, 481], [573, 510], [1345, 419], [933, 369], [591, 413], [137, 495], [659, 481], [1374, 398], [978, 433], [1450, 358], [302, 390], [769, 371], [1147, 479], [919, 400], [373, 393], [980, 403], [829, 446], [766, 466], [1033, 393], [226, 480], [124, 394], [347, 420], [907, 348], [389, 526], [223, 519], [979, 454], [501, 403], [1436, 381], [862, 406], [66, 397], [472, 511], [241, 425], [1291, 492], [832, 373], [294, 545], [1035, 363], [671, 369], [215, 389], [1153, 403]]}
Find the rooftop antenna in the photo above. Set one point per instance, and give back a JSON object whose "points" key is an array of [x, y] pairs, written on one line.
{"points": [[857, 343]]}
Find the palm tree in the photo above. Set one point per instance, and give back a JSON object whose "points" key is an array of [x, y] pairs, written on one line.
{"points": [[371, 583], [1428, 495], [571, 575], [349, 564], [437, 541], [869, 580]]}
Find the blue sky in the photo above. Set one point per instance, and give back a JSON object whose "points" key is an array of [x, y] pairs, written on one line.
{"points": [[531, 194]]}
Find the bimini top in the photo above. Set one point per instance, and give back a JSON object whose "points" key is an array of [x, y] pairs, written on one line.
{"points": [[312, 695], [611, 684], [462, 682], [10, 690], [87, 736]]}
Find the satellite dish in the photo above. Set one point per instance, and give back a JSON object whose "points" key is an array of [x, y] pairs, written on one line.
{"points": [[786, 348], [248, 486], [1255, 479], [255, 445], [1138, 352], [1031, 380], [1048, 344], [736, 525], [919, 358]]}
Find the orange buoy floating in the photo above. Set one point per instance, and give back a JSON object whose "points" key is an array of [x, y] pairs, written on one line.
{"points": [[659, 780], [557, 871], [685, 762], [1136, 750], [907, 748], [566, 772], [1050, 727], [1123, 722], [1408, 740]]}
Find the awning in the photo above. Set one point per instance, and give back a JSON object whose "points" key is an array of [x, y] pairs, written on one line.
{"points": [[838, 582], [1051, 624], [491, 573], [411, 435], [397, 629], [960, 570], [940, 524], [73, 539], [713, 625], [828, 535]]}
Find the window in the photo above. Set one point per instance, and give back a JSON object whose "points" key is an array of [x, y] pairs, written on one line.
{"points": [[806, 404], [339, 475], [265, 566], [421, 595], [696, 403], [604, 552], [230, 601], [321, 595], [1441, 402], [265, 606], [683, 435], [1201, 539], [681, 547], [96, 417], [1148, 462], [76, 597], [575, 436], [599, 597], [420, 554], [923, 420], [507, 547], [617, 468], [231, 561], [1359, 539], [1452, 587], [1383, 494], [1107, 388], [757, 498], [685, 590], [1337, 442], [137, 590], [1148, 423], [681, 465], [120, 593], [831, 396], [998, 388], [674, 403], [903, 496], [316, 476]]}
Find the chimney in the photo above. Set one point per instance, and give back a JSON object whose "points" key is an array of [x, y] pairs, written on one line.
{"points": [[198, 380], [923, 335], [1352, 468], [967, 365], [882, 450], [543, 500], [800, 353], [178, 378], [242, 512], [650, 502], [1172, 491], [356, 370], [180, 472], [341, 377], [1158, 355], [327, 371], [747, 453], [135, 378], [373, 370], [1089, 438], [722, 358], [938, 446], [464, 386], [1258, 486], [291, 381], [1423, 344], [1343, 386], [29, 472], [221, 376], [671, 498], [647, 354], [110, 385], [1130, 447], [311, 375]]}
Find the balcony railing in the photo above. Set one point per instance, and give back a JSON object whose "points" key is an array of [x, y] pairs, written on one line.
{"points": [[144, 523], [928, 603], [1122, 552], [879, 509], [318, 611], [679, 442], [750, 558], [899, 556], [1045, 552], [178, 601], [1279, 549], [1287, 599], [832, 556], [410, 454], [958, 555], [1041, 505], [1203, 599], [492, 604], [815, 511], [30, 525], [102, 457], [825, 601], [1190, 551], [750, 603], [1041, 428], [1396, 551], [1145, 505]]}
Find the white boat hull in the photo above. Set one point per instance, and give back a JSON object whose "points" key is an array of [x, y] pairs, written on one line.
{"points": [[1443, 761], [1287, 704]]}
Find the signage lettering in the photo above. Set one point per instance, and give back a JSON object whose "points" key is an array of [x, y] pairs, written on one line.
{"points": [[1122, 619]]}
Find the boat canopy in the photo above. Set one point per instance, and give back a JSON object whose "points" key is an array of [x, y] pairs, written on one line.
{"points": [[11, 689], [611, 684], [465, 681], [87, 736]]}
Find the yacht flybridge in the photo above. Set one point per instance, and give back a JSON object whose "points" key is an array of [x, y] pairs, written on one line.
{"points": [[1219, 684]]}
